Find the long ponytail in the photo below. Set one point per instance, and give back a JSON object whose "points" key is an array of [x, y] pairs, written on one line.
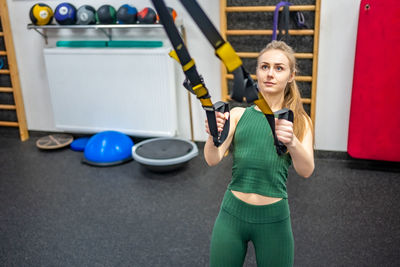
{"points": [[292, 97]]}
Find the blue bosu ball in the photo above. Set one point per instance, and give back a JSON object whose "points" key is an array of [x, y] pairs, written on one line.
{"points": [[108, 148], [79, 144]]}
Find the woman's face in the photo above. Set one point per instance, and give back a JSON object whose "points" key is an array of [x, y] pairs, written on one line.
{"points": [[273, 72]]}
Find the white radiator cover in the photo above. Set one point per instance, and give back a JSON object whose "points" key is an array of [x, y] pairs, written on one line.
{"points": [[131, 90]]}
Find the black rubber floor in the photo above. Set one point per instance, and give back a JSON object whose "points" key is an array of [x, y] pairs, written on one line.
{"points": [[56, 211]]}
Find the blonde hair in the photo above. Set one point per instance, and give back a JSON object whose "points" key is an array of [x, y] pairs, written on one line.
{"points": [[292, 97]]}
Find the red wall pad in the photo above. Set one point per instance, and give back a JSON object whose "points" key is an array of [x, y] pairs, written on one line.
{"points": [[374, 130]]}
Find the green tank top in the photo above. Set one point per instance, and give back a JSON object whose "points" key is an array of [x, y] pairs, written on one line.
{"points": [[257, 168]]}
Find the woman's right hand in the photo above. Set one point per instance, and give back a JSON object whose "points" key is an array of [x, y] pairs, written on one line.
{"points": [[221, 118]]}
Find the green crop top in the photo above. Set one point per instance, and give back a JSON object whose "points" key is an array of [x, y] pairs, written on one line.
{"points": [[257, 168]]}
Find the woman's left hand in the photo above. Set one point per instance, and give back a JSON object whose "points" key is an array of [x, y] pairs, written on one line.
{"points": [[284, 131]]}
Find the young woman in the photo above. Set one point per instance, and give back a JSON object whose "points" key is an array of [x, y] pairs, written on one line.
{"points": [[255, 206]]}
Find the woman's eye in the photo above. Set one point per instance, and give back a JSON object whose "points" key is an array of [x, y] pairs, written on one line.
{"points": [[279, 68], [264, 67]]}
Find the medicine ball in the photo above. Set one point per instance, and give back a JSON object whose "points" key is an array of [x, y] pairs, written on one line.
{"points": [[147, 16], [65, 14], [127, 14], [172, 12], [106, 14], [86, 15], [41, 14]]}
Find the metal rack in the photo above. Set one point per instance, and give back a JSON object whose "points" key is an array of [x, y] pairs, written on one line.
{"points": [[105, 28]]}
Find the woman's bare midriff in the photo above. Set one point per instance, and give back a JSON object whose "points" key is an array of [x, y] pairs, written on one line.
{"points": [[255, 199]]}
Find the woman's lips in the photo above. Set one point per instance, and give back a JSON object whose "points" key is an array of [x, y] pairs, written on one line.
{"points": [[269, 83]]}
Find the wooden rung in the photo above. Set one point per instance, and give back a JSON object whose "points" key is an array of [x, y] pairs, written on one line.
{"points": [[297, 78], [268, 8], [267, 32], [1, 34], [303, 78], [3, 53], [9, 123], [9, 107], [6, 89], [255, 55], [4, 71]]}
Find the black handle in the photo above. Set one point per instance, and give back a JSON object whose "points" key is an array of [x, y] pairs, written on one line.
{"points": [[285, 114], [218, 138]]}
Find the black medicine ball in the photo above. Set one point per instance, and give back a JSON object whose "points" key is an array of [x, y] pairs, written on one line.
{"points": [[147, 16], [127, 14]]}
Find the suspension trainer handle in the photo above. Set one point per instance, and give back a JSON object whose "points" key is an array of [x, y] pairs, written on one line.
{"points": [[285, 114]]}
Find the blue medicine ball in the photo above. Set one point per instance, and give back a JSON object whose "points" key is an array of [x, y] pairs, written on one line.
{"points": [[108, 148], [127, 14], [65, 14]]}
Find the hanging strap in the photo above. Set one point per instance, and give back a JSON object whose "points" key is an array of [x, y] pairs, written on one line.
{"points": [[244, 85], [223, 49], [284, 24], [194, 82], [276, 16], [299, 19]]}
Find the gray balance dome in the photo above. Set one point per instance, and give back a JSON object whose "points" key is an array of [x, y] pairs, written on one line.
{"points": [[164, 153]]}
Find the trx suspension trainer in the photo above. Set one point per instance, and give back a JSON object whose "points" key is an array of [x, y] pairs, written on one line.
{"points": [[244, 86]]}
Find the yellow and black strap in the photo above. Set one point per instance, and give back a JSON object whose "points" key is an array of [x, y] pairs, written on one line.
{"points": [[194, 82], [244, 86]]}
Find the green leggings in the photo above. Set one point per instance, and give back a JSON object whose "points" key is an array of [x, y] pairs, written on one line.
{"points": [[267, 226]]}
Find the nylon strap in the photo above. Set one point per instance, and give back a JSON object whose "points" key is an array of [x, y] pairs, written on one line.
{"points": [[284, 24], [276, 15], [194, 82], [244, 86], [223, 49]]}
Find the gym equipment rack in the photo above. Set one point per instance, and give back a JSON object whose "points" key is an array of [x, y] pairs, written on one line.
{"points": [[224, 9]]}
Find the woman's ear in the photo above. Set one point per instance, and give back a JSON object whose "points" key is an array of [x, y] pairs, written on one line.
{"points": [[291, 78]]}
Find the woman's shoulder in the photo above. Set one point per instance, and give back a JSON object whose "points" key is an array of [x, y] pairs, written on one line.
{"points": [[236, 113], [238, 110]]}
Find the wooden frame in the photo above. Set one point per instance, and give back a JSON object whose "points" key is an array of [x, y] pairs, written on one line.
{"points": [[224, 9], [13, 72]]}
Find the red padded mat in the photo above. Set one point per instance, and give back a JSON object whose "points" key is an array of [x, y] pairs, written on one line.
{"points": [[374, 129]]}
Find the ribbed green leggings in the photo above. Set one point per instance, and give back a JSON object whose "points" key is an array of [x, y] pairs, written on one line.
{"points": [[267, 226]]}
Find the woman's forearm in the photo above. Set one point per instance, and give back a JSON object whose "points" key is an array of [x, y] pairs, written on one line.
{"points": [[302, 158], [212, 154]]}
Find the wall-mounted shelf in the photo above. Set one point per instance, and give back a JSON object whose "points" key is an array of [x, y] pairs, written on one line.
{"points": [[105, 28]]}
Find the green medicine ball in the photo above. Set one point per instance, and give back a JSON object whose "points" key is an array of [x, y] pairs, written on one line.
{"points": [[106, 14]]}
